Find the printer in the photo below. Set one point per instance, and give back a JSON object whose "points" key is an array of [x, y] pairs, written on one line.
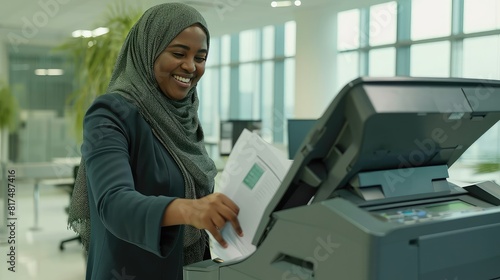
{"points": [[368, 195]]}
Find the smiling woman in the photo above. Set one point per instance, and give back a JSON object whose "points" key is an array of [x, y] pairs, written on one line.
{"points": [[181, 65], [143, 197]]}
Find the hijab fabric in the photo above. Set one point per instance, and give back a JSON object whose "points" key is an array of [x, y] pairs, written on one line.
{"points": [[174, 122]]}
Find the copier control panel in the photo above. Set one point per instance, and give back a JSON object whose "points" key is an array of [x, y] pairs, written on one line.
{"points": [[428, 212]]}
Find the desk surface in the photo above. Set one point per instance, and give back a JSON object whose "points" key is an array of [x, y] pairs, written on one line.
{"points": [[57, 182]]}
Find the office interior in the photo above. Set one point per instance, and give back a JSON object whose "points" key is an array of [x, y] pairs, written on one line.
{"points": [[261, 67]]}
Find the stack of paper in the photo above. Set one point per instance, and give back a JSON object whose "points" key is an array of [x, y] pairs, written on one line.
{"points": [[251, 177]]}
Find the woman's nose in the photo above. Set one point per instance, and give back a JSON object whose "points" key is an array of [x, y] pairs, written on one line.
{"points": [[189, 66]]}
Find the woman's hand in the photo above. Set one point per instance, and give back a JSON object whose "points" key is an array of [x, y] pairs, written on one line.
{"points": [[210, 212]]}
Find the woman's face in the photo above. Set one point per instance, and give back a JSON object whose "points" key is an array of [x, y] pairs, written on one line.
{"points": [[180, 66]]}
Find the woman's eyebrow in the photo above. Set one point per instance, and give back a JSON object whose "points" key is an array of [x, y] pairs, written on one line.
{"points": [[186, 48]]}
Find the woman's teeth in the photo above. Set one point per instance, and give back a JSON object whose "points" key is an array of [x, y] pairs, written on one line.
{"points": [[181, 79]]}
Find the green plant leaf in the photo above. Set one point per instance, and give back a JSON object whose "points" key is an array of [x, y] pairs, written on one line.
{"points": [[8, 107], [487, 167], [95, 58]]}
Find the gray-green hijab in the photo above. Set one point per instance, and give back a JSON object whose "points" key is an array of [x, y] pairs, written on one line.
{"points": [[175, 123]]}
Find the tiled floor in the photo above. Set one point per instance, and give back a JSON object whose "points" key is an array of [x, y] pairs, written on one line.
{"points": [[38, 255]]}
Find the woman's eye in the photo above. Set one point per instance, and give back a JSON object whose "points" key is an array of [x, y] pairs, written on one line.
{"points": [[178, 54], [200, 59]]}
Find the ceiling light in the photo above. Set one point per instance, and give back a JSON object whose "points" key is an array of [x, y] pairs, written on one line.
{"points": [[55, 72], [49, 72], [90, 33], [281, 4], [99, 31], [40, 72], [297, 3], [82, 33]]}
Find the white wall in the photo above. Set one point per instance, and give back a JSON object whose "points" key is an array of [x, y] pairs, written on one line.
{"points": [[316, 58], [315, 61]]}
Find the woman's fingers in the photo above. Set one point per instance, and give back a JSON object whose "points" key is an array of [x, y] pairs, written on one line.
{"points": [[232, 217], [213, 212], [229, 203], [218, 221], [215, 231], [231, 213]]}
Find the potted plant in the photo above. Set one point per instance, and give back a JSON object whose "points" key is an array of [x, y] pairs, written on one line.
{"points": [[487, 167], [8, 108], [8, 117], [94, 59]]}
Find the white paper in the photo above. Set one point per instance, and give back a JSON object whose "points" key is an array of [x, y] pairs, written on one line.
{"points": [[251, 177]]}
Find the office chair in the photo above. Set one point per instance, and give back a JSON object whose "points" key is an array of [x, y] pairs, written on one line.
{"points": [[76, 238]]}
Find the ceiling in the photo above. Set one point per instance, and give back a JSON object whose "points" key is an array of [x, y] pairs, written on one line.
{"points": [[49, 20]]}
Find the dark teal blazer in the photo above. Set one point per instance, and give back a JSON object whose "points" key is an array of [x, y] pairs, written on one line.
{"points": [[131, 179]]}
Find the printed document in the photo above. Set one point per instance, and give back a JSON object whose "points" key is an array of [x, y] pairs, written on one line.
{"points": [[251, 177]]}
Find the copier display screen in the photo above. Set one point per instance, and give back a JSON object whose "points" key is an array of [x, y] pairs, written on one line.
{"points": [[452, 206], [422, 213]]}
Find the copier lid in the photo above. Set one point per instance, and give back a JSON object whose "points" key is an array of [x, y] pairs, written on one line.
{"points": [[387, 123]]}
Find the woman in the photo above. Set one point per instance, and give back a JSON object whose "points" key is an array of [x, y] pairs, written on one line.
{"points": [[146, 181]]}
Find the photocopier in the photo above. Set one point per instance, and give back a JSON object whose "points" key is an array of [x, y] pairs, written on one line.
{"points": [[368, 195]]}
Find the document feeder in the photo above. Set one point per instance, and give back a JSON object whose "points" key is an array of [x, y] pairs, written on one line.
{"points": [[367, 195]]}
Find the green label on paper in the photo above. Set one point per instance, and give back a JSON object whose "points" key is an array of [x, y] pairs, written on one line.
{"points": [[253, 176]]}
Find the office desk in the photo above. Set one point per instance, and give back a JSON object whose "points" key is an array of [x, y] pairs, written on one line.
{"points": [[57, 173]]}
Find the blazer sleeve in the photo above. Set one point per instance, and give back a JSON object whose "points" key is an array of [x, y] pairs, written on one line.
{"points": [[125, 212]]}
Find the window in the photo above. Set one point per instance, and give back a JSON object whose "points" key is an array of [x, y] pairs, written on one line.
{"points": [[481, 15], [225, 49], [414, 37], [383, 23], [430, 19], [348, 30], [249, 90], [347, 68], [224, 92], [382, 62], [481, 57], [290, 38], [289, 88], [267, 100], [249, 45], [247, 78], [268, 42], [208, 101], [430, 60], [213, 52]]}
